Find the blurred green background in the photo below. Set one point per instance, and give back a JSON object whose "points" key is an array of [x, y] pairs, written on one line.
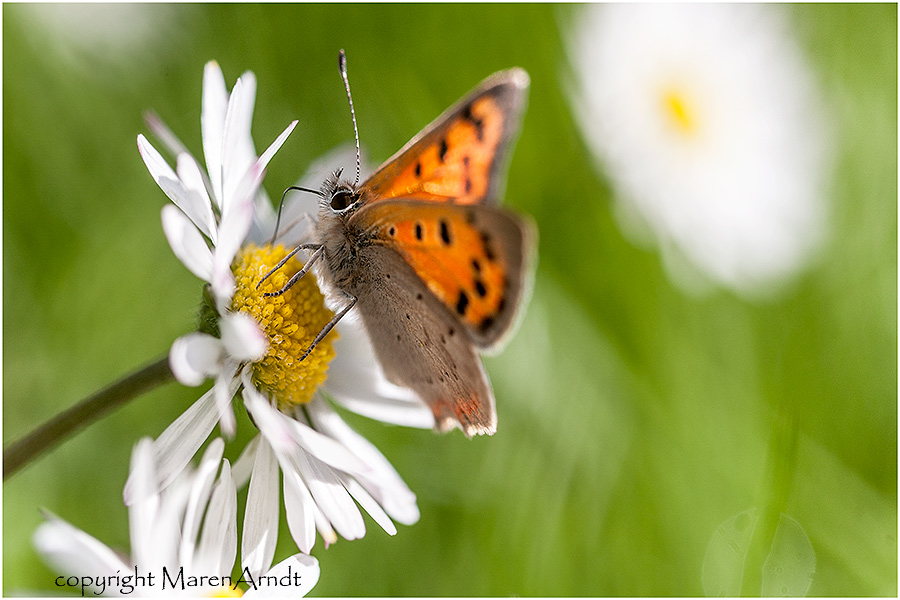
{"points": [[634, 419]]}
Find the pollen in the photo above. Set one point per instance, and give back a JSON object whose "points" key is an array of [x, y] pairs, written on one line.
{"points": [[679, 112], [291, 322]]}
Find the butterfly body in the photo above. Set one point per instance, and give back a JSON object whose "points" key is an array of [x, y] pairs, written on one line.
{"points": [[434, 268]]}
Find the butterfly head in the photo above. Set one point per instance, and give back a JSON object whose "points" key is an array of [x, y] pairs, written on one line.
{"points": [[340, 196]]}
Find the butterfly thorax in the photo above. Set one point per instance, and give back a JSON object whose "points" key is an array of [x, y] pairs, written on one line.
{"points": [[341, 199]]}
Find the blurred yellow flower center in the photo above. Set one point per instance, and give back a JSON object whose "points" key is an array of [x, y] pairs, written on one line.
{"points": [[291, 321], [227, 592], [678, 111]]}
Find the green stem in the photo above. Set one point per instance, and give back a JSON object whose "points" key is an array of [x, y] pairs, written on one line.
{"points": [[20, 453]]}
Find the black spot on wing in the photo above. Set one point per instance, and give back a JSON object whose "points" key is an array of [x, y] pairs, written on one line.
{"points": [[488, 246], [475, 121], [445, 232], [462, 304], [419, 232], [442, 153], [486, 324]]}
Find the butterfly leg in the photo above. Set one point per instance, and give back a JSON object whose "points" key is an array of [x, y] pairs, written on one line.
{"points": [[281, 206], [319, 249], [330, 325], [304, 219]]}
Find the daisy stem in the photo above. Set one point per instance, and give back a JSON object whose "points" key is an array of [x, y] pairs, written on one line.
{"points": [[20, 453]]}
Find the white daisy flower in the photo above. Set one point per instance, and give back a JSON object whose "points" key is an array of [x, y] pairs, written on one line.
{"points": [[170, 552], [707, 120], [252, 344], [216, 210]]}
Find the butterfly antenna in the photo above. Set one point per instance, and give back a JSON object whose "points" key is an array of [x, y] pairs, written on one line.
{"points": [[342, 66], [281, 205]]}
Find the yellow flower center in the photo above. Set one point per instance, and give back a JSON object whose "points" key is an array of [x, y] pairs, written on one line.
{"points": [[679, 111], [290, 321], [226, 592]]}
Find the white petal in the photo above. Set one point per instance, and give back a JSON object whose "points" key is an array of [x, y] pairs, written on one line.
{"points": [[237, 130], [212, 124], [248, 187], [386, 410], [189, 202], [175, 447], [161, 545], [331, 496], [238, 145], [369, 504], [326, 449], [223, 286], [190, 175], [156, 164], [276, 432], [299, 508], [295, 488], [165, 135], [195, 357], [261, 514], [187, 243], [286, 435], [243, 466], [306, 567], [142, 514], [267, 419], [218, 542], [73, 552], [382, 481], [232, 232], [242, 337], [199, 498], [267, 155], [223, 391]]}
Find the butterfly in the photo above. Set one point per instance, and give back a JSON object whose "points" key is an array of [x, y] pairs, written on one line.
{"points": [[435, 268]]}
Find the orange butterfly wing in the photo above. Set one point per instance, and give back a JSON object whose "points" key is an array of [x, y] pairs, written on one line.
{"points": [[460, 157], [472, 258]]}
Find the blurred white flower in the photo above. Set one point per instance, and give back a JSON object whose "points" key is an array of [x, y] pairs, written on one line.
{"points": [[119, 35], [707, 121], [170, 552], [252, 344]]}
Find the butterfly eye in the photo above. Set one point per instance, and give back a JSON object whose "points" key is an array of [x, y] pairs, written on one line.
{"points": [[342, 200]]}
